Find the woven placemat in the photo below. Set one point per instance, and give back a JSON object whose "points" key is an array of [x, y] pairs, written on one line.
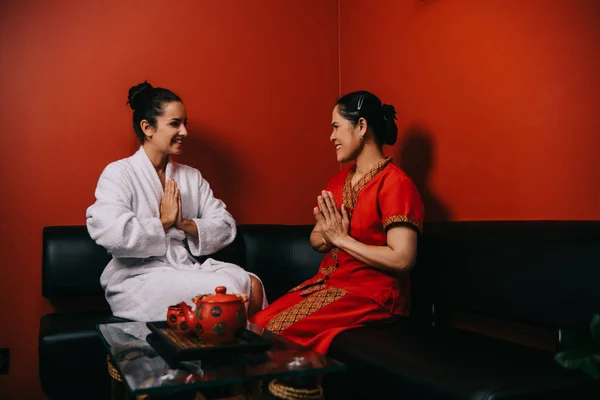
{"points": [[190, 342]]}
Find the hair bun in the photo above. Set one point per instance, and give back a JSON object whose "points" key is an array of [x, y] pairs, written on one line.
{"points": [[391, 131], [389, 112], [136, 94]]}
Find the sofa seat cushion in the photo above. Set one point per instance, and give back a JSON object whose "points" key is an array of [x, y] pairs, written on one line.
{"points": [[451, 364], [71, 352]]}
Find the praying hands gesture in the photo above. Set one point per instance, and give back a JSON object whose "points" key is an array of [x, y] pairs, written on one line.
{"points": [[333, 225], [171, 213], [170, 205], [396, 256]]}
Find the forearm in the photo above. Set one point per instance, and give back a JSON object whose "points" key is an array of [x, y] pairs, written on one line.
{"points": [[317, 241], [380, 257], [166, 223], [189, 227], [126, 236]]}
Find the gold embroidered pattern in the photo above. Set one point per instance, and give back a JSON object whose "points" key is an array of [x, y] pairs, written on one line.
{"points": [[350, 194], [334, 254], [328, 269], [317, 280], [306, 284], [313, 303], [402, 219], [312, 289], [347, 192]]}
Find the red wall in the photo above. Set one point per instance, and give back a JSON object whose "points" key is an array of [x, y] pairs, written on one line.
{"points": [[497, 100], [258, 78], [497, 108]]}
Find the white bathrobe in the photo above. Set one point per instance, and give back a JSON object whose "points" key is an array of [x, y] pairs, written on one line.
{"points": [[150, 269]]}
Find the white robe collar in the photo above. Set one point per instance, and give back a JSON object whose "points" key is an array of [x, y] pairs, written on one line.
{"points": [[141, 159]]}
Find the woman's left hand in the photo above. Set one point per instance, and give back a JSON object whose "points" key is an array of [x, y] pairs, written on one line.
{"points": [[334, 225], [179, 222]]}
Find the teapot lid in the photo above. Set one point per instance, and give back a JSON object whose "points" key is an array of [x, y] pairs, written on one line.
{"points": [[221, 296]]}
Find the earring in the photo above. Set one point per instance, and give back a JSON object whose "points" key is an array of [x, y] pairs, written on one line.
{"points": [[361, 137]]}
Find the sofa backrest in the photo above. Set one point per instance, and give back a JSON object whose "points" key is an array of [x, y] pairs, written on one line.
{"points": [[279, 254], [71, 263], [541, 272]]}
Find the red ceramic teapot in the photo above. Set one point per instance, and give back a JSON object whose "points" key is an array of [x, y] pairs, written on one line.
{"points": [[218, 317]]}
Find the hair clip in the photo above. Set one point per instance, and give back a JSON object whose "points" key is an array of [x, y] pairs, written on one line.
{"points": [[360, 102]]}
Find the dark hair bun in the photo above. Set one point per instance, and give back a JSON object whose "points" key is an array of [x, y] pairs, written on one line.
{"points": [[138, 93], [391, 130], [381, 117]]}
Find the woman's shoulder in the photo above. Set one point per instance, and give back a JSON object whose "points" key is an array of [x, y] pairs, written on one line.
{"points": [[118, 167], [187, 170], [395, 176], [395, 172], [127, 167]]}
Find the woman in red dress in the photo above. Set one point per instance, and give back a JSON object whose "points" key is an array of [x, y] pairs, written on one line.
{"points": [[367, 222]]}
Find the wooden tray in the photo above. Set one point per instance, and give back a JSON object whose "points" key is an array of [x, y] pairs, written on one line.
{"points": [[191, 347]]}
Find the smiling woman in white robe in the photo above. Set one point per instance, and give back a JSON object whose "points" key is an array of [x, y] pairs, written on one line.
{"points": [[152, 214]]}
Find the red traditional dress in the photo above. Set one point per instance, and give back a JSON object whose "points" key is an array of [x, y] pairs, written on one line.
{"points": [[346, 293]]}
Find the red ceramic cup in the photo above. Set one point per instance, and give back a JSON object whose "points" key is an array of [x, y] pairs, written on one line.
{"points": [[172, 314]]}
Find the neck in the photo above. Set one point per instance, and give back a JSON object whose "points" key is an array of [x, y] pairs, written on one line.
{"points": [[370, 155], [158, 159]]}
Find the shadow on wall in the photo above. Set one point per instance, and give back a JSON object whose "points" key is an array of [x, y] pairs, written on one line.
{"points": [[416, 157], [217, 165]]}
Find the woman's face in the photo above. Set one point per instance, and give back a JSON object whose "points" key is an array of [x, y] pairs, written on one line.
{"points": [[170, 131], [345, 136]]}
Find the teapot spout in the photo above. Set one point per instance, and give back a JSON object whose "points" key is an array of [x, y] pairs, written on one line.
{"points": [[186, 318], [188, 312]]}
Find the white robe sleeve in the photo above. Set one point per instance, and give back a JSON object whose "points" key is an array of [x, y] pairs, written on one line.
{"points": [[113, 225], [216, 226]]}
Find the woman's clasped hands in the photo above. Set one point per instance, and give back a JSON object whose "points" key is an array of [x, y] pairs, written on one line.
{"points": [[334, 223]]}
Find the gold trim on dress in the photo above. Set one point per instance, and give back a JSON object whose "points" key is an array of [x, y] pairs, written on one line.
{"points": [[329, 269], [311, 304], [350, 193], [334, 254], [403, 219], [314, 281], [312, 289], [347, 192]]}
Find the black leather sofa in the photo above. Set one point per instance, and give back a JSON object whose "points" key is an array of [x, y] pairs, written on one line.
{"points": [[539, 273]]}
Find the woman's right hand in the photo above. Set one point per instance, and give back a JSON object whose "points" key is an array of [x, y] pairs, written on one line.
{"points": [[334, 225], [317, 240], [169, 204]]}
